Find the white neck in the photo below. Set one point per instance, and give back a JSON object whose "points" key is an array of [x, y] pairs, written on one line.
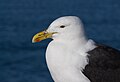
{"points": [[73, 42], [66, 59]]}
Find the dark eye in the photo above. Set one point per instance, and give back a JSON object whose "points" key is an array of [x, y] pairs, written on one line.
{"points": [[62, 26]]}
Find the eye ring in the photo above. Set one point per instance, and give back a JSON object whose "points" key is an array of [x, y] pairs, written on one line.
{"points": [[62, 26]]}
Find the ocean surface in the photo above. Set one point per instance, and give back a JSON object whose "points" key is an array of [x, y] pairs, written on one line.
{"points": [[22, 61]]}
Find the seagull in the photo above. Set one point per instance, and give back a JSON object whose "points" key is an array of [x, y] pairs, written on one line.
{"points": [[72, 57]]}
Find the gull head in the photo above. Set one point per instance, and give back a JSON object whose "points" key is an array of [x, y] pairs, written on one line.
{"points": [[63, 28]]}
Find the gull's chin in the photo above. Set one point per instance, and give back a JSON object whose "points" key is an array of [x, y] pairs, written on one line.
{"points": [[55, 36]]}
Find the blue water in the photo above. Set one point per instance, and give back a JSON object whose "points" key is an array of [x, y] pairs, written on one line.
{"points": [[22, 61]]}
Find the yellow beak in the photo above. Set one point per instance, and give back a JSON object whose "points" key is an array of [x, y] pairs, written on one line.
{"points": [[42, 36]]}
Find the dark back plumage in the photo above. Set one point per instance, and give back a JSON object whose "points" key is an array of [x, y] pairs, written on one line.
{"points": [[104, 64]]}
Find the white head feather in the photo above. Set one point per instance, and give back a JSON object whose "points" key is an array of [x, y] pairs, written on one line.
{"points": [[66, 55]]}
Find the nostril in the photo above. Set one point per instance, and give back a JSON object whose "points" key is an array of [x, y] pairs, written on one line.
{"points": [[41, 35]]}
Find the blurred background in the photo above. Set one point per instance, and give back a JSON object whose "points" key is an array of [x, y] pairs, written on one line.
{"points": [[22, 61]]}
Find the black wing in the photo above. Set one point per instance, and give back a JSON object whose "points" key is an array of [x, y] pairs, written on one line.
{"points": [[104, 65]]}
